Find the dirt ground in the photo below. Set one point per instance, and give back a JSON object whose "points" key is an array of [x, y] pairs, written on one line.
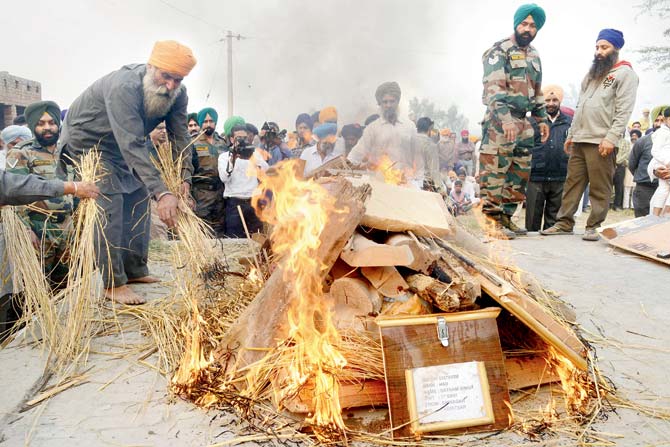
{"points": [[620, 302]]}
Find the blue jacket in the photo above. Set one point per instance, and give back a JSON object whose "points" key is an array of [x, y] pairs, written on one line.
{"points": [[549, 162]]}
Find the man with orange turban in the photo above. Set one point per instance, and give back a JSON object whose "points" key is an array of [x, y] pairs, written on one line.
{"points": [[116, 114], [548, 166]]}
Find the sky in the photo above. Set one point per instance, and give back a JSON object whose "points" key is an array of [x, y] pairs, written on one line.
{"points": [[302, 55]]}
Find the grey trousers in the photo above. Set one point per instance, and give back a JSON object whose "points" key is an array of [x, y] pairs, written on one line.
{"points": [[123, 245]]}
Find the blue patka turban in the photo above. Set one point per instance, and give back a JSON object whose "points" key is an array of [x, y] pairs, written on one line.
{"points": [[207, 111], [325, 130], [613, 36], [10, 133], [530, 9]]}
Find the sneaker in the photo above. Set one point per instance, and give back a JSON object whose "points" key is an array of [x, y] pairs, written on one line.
{"points": [[506, 221], [554, 231], [591, 234]]}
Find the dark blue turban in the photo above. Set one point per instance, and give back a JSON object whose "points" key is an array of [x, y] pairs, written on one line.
{"points": [[613, 36]]}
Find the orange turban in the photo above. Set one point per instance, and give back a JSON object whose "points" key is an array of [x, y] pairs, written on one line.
{"points": [[328, 115], [172, 57], [445, 132], [553, 90]]}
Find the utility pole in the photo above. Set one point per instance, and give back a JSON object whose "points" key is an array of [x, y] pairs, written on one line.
{"points": [[229, 39]]}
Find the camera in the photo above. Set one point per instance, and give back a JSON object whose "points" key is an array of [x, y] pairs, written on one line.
{"points": [[241, 149]]}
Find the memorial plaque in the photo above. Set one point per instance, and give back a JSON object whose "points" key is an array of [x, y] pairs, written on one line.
{"points": [[441, 341], [450, 396]]}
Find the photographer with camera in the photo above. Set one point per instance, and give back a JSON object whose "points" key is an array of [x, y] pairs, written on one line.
{"points": [[238, 170], [272, 140]]}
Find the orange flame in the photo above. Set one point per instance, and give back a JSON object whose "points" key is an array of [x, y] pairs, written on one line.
{"points": [[299, 211], [392, 175], [576, 393]]}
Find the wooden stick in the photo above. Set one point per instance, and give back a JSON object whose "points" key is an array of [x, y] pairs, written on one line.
{"points": [[246, 231]]}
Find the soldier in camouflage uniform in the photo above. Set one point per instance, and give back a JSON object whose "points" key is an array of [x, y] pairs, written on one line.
{"points": [[48, 219], [207, 189], [512, 88]]}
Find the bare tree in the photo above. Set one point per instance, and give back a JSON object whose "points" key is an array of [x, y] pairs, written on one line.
{"points": [[657, 57], [452, 118]]}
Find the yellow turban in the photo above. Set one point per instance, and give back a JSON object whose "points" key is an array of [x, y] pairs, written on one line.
{"points": [[172, 57], [328, 115], [553, 90]]}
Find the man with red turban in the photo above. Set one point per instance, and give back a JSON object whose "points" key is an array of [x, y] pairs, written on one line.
{"points": [[116, 114]]}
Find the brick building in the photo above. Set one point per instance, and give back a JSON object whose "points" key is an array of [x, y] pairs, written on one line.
{"points": [[15, 94]]}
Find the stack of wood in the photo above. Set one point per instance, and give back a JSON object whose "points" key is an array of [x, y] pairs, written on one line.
{"points": [[386, 255]]}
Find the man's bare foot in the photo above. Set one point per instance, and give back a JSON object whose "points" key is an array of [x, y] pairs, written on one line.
{"points": [[144, 280], [124, 295]]}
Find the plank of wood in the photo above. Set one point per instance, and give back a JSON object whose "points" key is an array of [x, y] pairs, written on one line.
{"points": [[362, 252], [645, 236], [398, 209], [533, 315], [409, 343], [424, 258], [386, 279], [368, 393], [528, 371], [264, 321]]}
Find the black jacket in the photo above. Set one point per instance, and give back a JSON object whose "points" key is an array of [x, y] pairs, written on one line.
{"points": [[549, 162], [639, 159]]}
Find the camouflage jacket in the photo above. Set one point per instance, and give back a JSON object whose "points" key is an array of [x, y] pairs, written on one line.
{"points": [[512, 82], [206, 161], [29, 157]]}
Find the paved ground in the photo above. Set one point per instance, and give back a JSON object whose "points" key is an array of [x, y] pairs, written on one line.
{"points": [[617, 297]]}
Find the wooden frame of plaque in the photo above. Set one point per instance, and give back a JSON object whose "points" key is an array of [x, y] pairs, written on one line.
{"points": [[410, 343]]}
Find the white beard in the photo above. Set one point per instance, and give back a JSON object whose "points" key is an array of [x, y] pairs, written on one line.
{"points": [[157, 99]]}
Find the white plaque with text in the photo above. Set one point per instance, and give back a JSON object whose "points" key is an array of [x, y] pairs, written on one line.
{"points": [[450, 396]]}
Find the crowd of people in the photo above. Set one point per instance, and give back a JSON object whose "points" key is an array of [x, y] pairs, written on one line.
{"points": [[534, 152]]}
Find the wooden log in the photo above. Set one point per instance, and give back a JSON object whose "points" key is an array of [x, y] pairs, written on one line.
{"points": [[386, 279], [362, 252], [435, 292], [411, 306], [356, 293], [463, 282], [424, 257], [264, 321], [397, 209], [528, 371]]}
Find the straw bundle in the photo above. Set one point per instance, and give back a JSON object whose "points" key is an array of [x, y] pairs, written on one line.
{"points": [[81, 299], [29, 277]]}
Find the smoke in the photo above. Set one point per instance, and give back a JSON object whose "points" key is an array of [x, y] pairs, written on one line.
{"points": [[301, 56]]}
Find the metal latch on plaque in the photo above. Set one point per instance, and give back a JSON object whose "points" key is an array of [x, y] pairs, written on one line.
{"points": [[442, 331]]}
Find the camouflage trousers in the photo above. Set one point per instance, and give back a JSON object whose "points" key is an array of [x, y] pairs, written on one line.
{"points": [[53, 238], [504, 167], [209, 206]]}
